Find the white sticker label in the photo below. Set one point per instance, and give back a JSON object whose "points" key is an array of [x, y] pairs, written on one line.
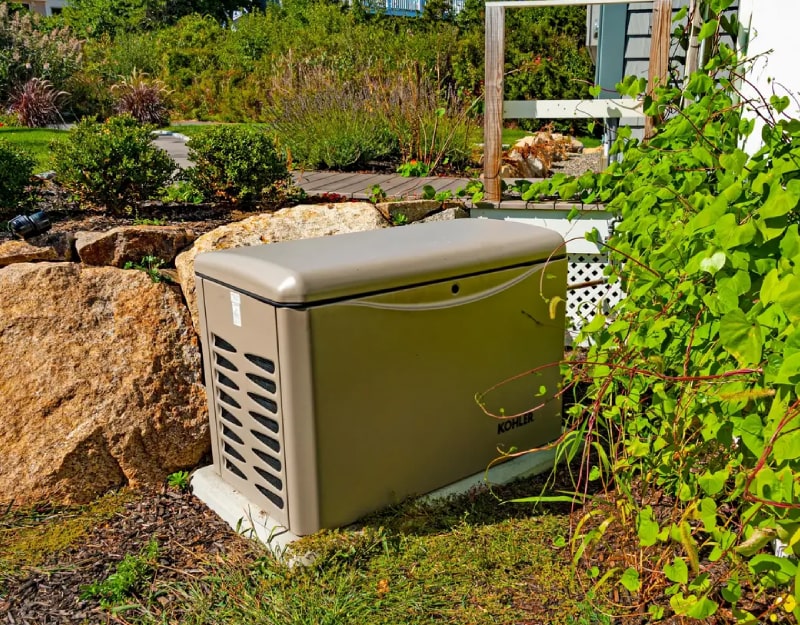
{"points": [[236, 309]]}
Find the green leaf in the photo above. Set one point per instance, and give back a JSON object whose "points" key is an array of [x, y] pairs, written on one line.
{"points": [[733, 161], [713, 263], [779, 103], [677, 571], [713, 483], [693, 606], [647, 527], [756, 541], [741, 337], [630, 579], [776, 571], [789, 370], [789, 297], [781, 201], [787, 447], [707, 29]]}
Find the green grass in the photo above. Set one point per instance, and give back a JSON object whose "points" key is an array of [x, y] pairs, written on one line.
{"points": [[471, 559], [35, 141]]}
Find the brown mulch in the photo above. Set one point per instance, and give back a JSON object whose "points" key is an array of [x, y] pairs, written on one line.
{"points": [[190, 539]]}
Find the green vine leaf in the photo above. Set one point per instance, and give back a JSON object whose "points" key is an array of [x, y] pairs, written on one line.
{"points": [[630, 580], [677, 571], [741, 337], [647, 527]]}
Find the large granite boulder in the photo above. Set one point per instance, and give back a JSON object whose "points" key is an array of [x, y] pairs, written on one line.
{"points": [[100, 382], [288, 224], [131, 244], [51, 246]]}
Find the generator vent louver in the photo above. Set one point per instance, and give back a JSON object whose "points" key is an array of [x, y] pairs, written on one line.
{"points": [[246, 392]]}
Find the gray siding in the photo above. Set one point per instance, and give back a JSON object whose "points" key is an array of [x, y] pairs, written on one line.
{"points": [[636, 58]]}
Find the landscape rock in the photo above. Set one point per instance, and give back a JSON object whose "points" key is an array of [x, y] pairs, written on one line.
{"points": [[297, 222], [517, 164], [407, 211], [23, 252], [101, 382], [454, 212], [132, 243], [62, 243]]}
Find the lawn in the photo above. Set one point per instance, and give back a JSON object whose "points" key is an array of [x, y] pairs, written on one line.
{"points": [[35, 141]]}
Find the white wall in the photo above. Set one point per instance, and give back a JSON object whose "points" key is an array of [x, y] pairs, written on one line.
{"points": [[773, 26]]}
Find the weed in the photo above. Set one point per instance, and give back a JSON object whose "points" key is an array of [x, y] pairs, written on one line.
{"points": [[376, 194], [182, 192], [414, 169], [150, 265], [474, 190], [429, 193], [129, 579], [29, 537], [178, 480], [399, 219], [149, 221]]}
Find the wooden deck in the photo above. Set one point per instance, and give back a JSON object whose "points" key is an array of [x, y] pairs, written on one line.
{"points": [[359, 186]]}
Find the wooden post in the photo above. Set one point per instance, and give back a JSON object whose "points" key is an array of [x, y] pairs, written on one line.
{"points": [[659, 52], [493, 102]]}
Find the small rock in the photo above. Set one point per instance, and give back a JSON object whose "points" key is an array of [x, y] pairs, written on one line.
{"points": [[23, 252], [132, 243], [408, 211], [454, 212], [62, 242]]}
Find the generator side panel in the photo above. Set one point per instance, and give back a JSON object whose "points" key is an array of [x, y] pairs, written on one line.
{"points": [[244, 389], [396, 377]]}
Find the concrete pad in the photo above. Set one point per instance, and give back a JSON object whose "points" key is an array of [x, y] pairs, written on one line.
{"points": [[246, 518]]}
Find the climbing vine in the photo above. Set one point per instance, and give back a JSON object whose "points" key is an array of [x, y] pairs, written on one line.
{"points": [[689, 411]]}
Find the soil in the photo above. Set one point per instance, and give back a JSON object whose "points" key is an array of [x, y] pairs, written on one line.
{"points": [[191, 538]]}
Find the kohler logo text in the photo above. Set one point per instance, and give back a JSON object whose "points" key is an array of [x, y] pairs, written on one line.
{"points": [[516, 422]]}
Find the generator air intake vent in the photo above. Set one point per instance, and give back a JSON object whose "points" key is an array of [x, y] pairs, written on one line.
{"points": [[248, 418], [270, 424], [275, 499], [264, 363], [223, 344], [264, 383]]}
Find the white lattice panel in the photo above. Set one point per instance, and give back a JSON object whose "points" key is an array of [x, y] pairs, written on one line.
{"points": [[583, 303]]}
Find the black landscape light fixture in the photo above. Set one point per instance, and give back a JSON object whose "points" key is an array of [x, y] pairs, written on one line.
{"points": [[25, 226]]}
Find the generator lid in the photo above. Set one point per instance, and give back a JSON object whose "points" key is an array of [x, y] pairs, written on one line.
{"points": [[346, 265]]}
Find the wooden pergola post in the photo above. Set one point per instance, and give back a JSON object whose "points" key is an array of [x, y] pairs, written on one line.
{"points": [[493, 102], [659, 52]]}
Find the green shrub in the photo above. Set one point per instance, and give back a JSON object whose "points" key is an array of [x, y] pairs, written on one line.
{"points": [[237, 164], [16, 169], [113, 164]]}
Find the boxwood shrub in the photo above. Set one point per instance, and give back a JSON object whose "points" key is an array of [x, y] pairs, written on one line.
{"points": [[16, 169], [113, 164], [236, 164]]}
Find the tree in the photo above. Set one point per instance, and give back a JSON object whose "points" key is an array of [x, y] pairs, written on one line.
{"points": [[98, 18]]}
